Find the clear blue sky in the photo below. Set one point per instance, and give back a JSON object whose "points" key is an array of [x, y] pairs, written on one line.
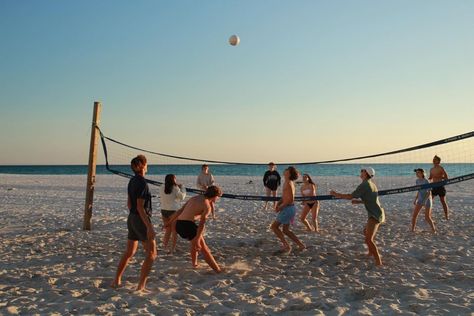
{"points": [[310, 80]]}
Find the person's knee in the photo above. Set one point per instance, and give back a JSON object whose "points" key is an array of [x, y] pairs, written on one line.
{"points": [[152, 254], [129, 254], [274, 226]]}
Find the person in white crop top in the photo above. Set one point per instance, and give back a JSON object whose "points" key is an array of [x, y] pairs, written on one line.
{"points": [[171, 196]]}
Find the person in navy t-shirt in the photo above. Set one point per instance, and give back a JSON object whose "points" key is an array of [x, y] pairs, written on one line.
{"points": [[139, 224], [271, 181]]}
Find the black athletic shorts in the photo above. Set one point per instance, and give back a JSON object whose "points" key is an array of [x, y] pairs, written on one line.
{"points": [[441, 191], [166, 213], [136, 228], [272, 187], [186, 229]]}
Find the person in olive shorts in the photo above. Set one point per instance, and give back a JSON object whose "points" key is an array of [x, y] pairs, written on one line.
{"points": [[366, 193], [139, 224]]}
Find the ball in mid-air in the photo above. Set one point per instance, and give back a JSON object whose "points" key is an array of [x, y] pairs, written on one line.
{"points": [[234, 40]]}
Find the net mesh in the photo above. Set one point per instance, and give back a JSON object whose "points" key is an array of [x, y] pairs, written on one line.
{"points": [[394, 170]]}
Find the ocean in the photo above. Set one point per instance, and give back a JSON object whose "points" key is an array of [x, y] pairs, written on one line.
{"points": [[405, 169]]}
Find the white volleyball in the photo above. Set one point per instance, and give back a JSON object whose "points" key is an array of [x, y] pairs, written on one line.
{"points": [[234, 40]]}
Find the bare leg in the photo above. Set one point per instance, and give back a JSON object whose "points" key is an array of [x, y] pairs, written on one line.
{"points": [[173, 240], [428, 218], [416, 211], [445, 206], [274, 194], [372, 227], [268, 192], [365, 234], [208, 257], [304, 213], [194, 256], [286, 231], [150, 256], [129, 252], [166, 237], [315, 213], [276, 229]]}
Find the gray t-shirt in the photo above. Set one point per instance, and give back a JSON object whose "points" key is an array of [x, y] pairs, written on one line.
{"points": [[368, 193], [204, 180]]}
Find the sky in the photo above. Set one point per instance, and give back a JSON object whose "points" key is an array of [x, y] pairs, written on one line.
{"points": [[310, 80]]}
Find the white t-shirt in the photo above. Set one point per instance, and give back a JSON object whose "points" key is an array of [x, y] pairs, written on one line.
{"points": [[172, 201]]}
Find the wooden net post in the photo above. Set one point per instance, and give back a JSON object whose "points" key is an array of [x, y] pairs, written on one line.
{"points": [[92, 167]]}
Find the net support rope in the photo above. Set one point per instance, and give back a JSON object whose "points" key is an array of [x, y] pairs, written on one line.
{"points": [[298, 198]]}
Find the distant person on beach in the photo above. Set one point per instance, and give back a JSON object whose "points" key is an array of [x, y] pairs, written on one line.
{"points": [[368, 194], [286, 212], [198, 207], [271, 181], [309, 188], [438, 174], [139, 224], [204, 180], [423, 198], [171, 196]]}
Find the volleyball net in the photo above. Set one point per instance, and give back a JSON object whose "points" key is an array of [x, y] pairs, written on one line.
{"points": [[394, 169]]}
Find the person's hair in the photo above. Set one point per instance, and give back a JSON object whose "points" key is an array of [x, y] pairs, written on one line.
{"points": [[309, 178], [138, 163], [170, 182], [294, 174], [212, 191], [204, 166], [437, 158], [271, 164]]}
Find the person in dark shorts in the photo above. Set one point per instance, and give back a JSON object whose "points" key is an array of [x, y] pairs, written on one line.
{"points": [[186, 229], [171, 196], [271, 182], [198, 207], [438, 174], [139, 224]]}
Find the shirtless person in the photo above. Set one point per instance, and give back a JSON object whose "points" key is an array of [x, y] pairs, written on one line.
{"points": [[286, 212], [195, 208], [437, 174]]}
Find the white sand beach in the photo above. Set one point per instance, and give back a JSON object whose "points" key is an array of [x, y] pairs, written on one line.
{"points": [[50, 266]]}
